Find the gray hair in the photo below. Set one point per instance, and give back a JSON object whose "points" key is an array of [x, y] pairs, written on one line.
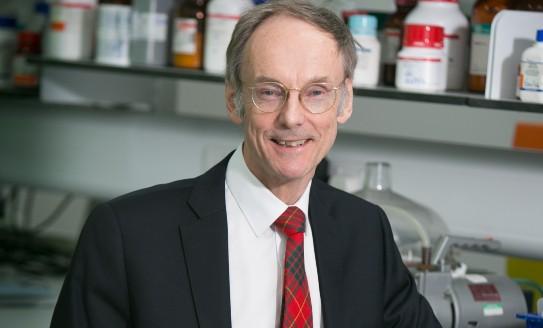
{"points": [[319, 17]]}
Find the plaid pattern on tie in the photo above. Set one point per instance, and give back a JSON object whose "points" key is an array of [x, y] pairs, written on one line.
{"points": [[296, 306]]}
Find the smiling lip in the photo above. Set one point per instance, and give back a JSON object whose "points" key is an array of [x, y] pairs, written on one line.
{"points": [[290, 143]]}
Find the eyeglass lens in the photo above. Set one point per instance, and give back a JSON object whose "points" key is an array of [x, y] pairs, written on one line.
{"points": [[270, 96]]}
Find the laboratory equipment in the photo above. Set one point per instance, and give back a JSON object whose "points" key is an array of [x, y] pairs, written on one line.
{"points": [[415, 227], [461, 299]]}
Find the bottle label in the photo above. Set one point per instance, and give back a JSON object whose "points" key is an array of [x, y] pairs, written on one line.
{"points": [[531, 76], [184, 41], [365, 60], [149, 26], [423, 73], [391, 45], [113, 33], [480, 40], [367, 66], [24, 74], [69, 19], [219, 30]]}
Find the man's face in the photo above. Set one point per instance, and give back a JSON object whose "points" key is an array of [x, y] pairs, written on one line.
{"points": [[285, 146]]}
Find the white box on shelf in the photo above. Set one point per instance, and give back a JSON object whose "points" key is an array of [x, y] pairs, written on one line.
{"points": [[512, 32]]}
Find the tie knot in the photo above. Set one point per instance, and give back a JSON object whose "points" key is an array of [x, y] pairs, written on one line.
{"points": [[292, 221]]}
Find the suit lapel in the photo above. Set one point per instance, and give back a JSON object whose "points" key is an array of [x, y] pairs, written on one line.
{"points": [[326, 241], [205, 247]]}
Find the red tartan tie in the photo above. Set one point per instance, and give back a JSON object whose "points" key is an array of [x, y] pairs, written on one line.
{"points": [[296, 306]]}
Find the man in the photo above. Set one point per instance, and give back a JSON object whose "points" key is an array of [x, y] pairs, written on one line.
{"points": [[253, 242]]}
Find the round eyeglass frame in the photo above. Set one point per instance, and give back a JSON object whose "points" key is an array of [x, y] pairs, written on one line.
{"points": [[287, 94]]}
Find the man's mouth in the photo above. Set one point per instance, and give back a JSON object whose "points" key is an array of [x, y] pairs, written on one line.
{"points": [[290, 143]]}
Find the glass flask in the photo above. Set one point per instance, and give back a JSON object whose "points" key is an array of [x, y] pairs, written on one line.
{"points": [[416, 228]]}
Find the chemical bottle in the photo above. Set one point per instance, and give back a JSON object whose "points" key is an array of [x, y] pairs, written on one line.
{"points": [[531, 72], [422, 62], [222, 16], [40, 18], [8, 46], [148, 40], [529, 5], [392, 39], [364, 30], [188, 34], [481, 19], [447, 14], [113, 32], [26, 75], [69, 33], [29, 43]]}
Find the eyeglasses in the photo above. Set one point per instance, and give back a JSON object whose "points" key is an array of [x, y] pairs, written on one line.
{"points": [[317, 98]]}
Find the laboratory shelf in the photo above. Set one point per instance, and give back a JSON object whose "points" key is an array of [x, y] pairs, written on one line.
{"points": [[446, 118], [452, 98]]}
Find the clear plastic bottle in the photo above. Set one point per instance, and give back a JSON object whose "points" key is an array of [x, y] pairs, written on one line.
{"points": [[364, 30], [422, 62], [392, 39], [481, 19], [447, 14], [414, 226], [188, 34], [113, 32], [531, 72], [222, 16], [149, 36]]}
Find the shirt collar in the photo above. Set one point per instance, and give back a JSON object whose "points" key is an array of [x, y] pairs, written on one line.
{"points": [[257, 203]]}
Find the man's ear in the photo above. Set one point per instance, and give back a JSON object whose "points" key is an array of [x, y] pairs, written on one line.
{"points": [[345, 114], [233, 112]]}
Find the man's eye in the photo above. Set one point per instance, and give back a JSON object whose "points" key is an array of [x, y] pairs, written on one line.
{"points": [[269, 92], [316, 92]]}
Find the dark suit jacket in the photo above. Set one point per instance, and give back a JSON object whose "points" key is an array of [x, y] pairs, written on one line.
{"points": [[158, 257]]}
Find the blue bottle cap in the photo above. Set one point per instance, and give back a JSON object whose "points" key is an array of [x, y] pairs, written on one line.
{"points": [[539, 36], [41, 7], [259, 2], [8, 22], [363, 25]]}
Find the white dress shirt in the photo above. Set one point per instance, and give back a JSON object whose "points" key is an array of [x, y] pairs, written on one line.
{"points": [[256, 251]]}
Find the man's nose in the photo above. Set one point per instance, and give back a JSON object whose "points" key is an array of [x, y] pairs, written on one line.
{"points": [[293, 112]]}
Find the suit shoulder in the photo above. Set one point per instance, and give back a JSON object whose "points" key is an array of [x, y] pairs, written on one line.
{"points": [[175, 188], [342, 200]]}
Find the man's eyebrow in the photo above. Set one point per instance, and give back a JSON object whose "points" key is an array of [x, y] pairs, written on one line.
{"points": [[316, 79], [264, 78]]}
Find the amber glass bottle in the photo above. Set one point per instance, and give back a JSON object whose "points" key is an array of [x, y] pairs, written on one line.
{"points": [[188, 34], [481, 18], [392, 37], [529, 5]]}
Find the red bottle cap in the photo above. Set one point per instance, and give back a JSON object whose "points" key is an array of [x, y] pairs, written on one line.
{"points": [[423, 36]]}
